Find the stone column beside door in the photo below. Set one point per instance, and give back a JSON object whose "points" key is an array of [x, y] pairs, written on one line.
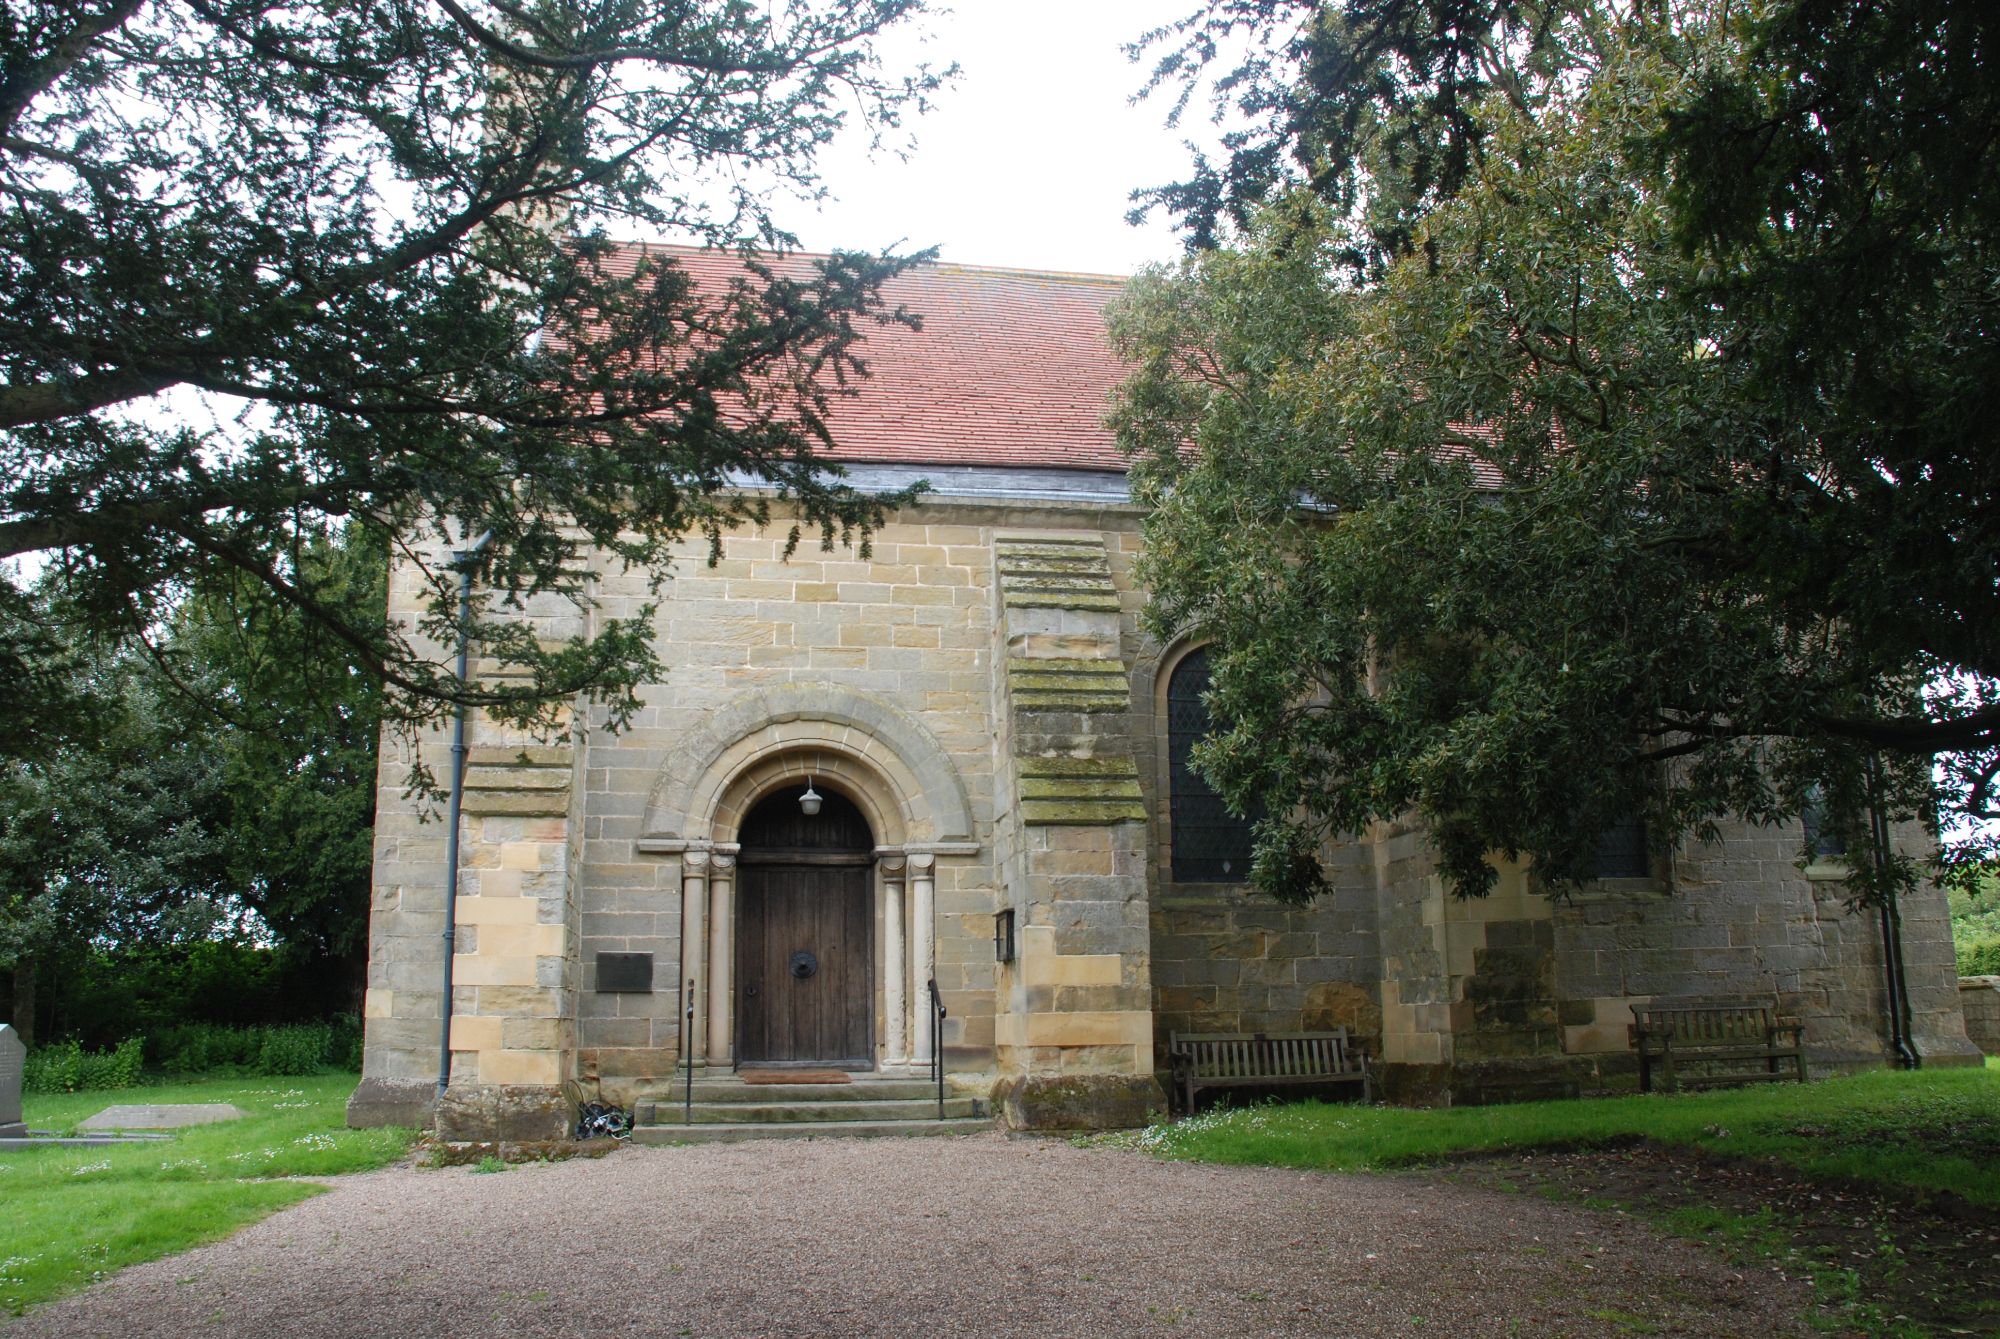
{"points": [[721, 944], [694, 941], [895, 975]]}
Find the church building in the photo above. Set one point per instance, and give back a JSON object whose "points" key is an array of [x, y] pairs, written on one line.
{"points": [[933, 805]]}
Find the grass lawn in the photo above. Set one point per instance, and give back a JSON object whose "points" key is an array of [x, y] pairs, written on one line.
{"points": [[73, 1215], [1935, 1129]]}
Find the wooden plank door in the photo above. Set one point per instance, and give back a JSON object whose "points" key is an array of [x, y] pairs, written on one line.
{"points": [[804, 987]]}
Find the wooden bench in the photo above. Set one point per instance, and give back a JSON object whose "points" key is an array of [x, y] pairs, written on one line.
{"points": [[1708, 1043], [1202, 1060]]}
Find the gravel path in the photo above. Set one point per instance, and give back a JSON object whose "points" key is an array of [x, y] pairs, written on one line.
{"points": [[976, 1236]]}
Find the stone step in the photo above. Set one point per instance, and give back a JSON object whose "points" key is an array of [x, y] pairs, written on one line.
{"points": [[844, 1129], [797, 1113], [735, 1090]]}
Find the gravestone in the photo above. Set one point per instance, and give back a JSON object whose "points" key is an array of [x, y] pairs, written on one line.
{"points": [[13, 1058], [155, 1116]]}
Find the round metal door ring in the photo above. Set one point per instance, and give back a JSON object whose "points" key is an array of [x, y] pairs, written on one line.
{"points": [[804, 964]]}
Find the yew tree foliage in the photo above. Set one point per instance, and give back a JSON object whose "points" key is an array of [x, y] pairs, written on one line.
{"points": [[200, 785], [374, 226], [1582, 409]]}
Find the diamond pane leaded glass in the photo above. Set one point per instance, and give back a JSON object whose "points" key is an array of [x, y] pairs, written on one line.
{"points": [[1622, 852], [1210, 844]]}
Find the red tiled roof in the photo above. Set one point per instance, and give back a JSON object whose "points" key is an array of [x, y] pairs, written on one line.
{"points": [[1012, 367]]}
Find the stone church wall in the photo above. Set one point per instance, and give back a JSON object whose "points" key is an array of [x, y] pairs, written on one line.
{"points": [[1739, 918], [1517, 995], [981, 687]]}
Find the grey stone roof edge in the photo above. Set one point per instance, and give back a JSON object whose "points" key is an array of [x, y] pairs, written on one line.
{"points": [[994, 481]]}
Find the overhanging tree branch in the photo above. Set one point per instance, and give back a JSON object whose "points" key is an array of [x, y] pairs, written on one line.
{"points": [[389, 354]]}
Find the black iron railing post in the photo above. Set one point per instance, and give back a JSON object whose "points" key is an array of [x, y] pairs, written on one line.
{"points": [[937, 1044], [687, 1054]]}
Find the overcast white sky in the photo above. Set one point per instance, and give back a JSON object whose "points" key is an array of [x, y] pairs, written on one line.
{"points": [[1028, 160]]}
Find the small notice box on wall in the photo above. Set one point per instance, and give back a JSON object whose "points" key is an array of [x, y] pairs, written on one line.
{"points": [[624, 972]]}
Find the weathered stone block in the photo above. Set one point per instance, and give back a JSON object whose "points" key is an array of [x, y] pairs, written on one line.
{"points": [[383, 1102], [1979, 997], [488, 1111], [516, 802], [1078, 1101], [1334, 1004], [510, 1001]]}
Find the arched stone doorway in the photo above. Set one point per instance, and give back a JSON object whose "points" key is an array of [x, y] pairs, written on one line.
{"points": [[767, 744], [805, 933]]}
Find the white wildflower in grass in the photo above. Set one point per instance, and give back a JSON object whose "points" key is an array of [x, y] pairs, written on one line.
{"points": [[1170, 1139], [254, 1155], [190, 1164], [10, 1270], [85, 1169], [321, 1142]]}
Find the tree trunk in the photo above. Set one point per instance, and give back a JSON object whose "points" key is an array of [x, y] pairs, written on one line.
{"points": [[24, 999]]}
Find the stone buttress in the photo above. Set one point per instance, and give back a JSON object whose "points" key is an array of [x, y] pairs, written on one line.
{"points": [[513, 1017], [1073, 1029]]}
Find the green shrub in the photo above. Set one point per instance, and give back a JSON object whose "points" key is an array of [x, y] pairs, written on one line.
{"points": [[1982, 959], [298, 1049], [53, 1069], [117, 1068], [202, 1048], [199, 1048], [66, 1067], [343, 1049]]}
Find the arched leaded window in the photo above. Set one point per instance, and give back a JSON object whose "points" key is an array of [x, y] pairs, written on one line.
{"points": [[1210, 844]]}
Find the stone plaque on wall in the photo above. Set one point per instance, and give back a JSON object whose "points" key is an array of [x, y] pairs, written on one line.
{"points": [[624, 972], [13, 1057]]}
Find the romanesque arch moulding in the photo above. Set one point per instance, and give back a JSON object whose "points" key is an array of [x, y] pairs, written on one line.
{"points": [[896, 769]]}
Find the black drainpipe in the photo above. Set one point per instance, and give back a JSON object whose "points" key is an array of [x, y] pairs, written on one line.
{"points": [[464, 561], [1895, 975]]}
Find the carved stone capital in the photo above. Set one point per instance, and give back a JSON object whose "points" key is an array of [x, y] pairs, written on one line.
{"points": [[694, 864], [722, 864], [892, 866], [922, 862]]}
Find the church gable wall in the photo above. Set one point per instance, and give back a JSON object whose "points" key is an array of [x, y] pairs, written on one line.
{"points": [[758, 636]]}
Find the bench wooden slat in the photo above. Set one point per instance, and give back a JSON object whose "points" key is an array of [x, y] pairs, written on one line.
{"points": [[1669, 1035], [1281, 1059]]}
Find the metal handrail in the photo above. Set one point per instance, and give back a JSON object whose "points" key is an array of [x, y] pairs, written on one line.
{"points": [[937, 1043]]}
